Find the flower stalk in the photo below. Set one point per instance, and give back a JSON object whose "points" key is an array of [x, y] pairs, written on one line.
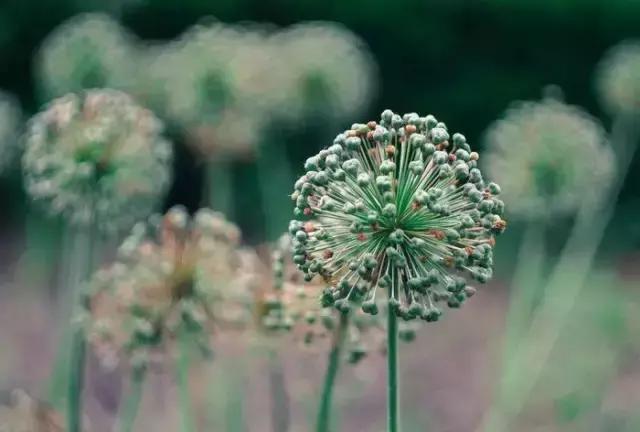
{"points": [[324, 413]]}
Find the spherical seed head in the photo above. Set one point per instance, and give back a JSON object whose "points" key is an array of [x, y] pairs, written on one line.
{"points": [[415, 237], [546, 155], [96, 157], [87, 51], [223, 99], [288, 306], [10, 119], [178, 274], [618, 78], [338, 81], [20, 412]]}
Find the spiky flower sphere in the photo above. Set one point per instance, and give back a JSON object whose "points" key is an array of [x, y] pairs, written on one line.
{"points": [[10, 119], [328, 70], [618, 78], [87, 51], [398, 207], [19, 412], [97, 157], [180, 275], [549, 156]]}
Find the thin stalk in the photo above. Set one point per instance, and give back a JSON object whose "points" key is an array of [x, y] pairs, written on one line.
{"points": [[182, 377], [132, 403], [76, 381], [393, 420], [78, 348], [323, 422], [280, 413], [274, 176], [218, 187]]}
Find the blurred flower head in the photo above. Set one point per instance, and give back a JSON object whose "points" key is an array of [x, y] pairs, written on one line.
{"points": [[618, 78], [87, 51], [214, 82], [10, 124], [548, 155], [97, 157], [397, 210], [180, 275], [326, 70], [21, 413], [287, 305]]}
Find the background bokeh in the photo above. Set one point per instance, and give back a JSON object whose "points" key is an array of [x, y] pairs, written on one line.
{"points": [[465, 62]]}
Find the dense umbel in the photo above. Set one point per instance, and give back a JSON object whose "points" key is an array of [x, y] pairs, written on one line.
{"points": [[399, 206]]}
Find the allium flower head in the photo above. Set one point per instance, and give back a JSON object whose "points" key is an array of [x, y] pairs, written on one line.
{"points": [[618, 78], [97, 156], [87, 51], [10, 118], [328, 69], [548, 156], [182, 275], [398, 207], [287, 305], [216, 83], [21, 413]]}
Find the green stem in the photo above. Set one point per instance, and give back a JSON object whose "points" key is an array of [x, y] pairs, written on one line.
{"points": [[324, 413], [218, 187], [393, 419], [79, 348], [182, 376], [132, 403], [279, 398], [76, 381]]}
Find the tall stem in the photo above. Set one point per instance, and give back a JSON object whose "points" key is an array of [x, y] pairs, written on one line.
{"points": [[78, 346], [324, 413], [132, 403], [280, 420], [393, 420], [182, 376], [218, 187]]}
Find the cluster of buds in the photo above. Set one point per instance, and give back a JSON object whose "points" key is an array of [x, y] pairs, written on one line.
{"points": [[289, 305], [87, 51], [398, 206], [97, 158], [548, 154], [177, 275], [10, 120]]}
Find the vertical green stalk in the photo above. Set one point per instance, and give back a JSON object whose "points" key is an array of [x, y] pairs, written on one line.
{"points": [[218, 186], [131, 404], [78, 347], [274, 176], [323, 422], [393, 420], [182, 378], [280, 416], [76, 381]]}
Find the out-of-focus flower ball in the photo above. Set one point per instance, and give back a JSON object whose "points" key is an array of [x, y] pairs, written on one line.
{"points": [[618, 78], [548, 156], [97, 157], [326, 69], [87, 51], [177, 276]]}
